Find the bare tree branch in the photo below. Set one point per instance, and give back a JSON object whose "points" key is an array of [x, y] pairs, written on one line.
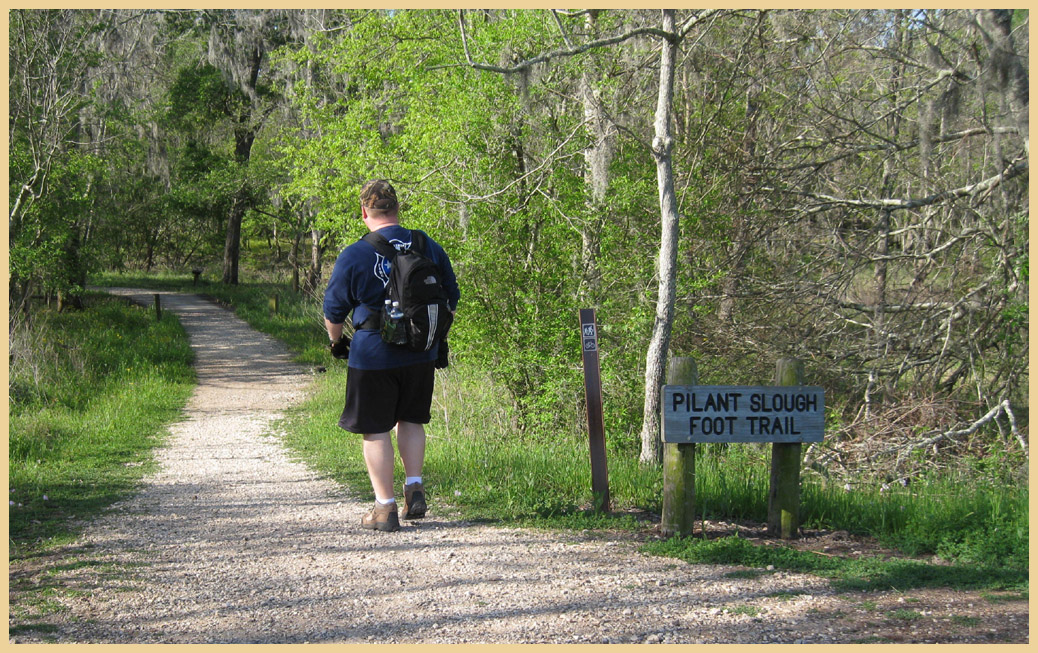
{"points": [[1002, 408], [893, 147], [971, 190], [674, 36]]}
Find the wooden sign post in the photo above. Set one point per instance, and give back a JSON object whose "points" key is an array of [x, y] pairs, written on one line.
{"points": [[679, 464], [593, 399], [784, 493]]}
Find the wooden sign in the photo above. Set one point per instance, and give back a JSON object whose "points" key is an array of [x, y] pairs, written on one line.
{"points": [[705, 413]]}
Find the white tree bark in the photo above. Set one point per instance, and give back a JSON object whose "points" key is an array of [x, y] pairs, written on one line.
{"points": [[662, 146]]}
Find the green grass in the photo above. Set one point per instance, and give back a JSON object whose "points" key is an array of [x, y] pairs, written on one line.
{"points": [[950, 515], [748, 610], [90, 393], [847, 574]]}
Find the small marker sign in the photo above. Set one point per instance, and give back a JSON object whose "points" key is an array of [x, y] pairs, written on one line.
{"points": [[590, 336]]}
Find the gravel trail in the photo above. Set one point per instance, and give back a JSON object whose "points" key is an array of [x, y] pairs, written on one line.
{"points": [[234, 541]]}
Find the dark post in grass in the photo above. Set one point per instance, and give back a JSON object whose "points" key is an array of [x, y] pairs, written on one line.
{"points": [[593, 399], [679, 464], [784, 493], [275, 303], [158, 308]]}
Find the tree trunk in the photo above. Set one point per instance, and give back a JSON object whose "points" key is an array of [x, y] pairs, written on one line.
{"points": [[232, 245], [294, 259], [313, 275], [996, 25], [244, 136], [662, 146], [742, 236], [597, 158]]}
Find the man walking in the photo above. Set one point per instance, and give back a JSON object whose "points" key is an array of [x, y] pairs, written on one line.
{"points": [[387, 385]]}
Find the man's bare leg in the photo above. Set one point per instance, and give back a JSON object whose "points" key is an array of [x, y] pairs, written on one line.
{"points": [[410, 440], [378, 456]]}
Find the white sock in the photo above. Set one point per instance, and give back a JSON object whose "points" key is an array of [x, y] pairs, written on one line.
{"points": [[411, 480], [386, 502]]}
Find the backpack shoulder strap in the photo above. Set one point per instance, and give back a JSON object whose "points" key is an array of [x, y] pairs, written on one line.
{"points": [[381, 245], [418, 239]]}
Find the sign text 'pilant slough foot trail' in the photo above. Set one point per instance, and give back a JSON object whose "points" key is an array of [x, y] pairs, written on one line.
{"points": [[743, 413]]}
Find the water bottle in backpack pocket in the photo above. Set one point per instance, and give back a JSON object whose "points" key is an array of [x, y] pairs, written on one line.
{"points": [[394, 330]]}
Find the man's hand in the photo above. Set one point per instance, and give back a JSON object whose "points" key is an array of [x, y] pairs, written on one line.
{"points": [[340, 348]]}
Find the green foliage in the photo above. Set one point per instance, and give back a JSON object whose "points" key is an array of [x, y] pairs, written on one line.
{"points": [[46, 239], [199, 96], [90, 393], [390, 124]]}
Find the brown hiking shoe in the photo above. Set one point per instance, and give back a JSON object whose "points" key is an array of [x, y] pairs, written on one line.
{"points": [[414, 501], [381, 518]]}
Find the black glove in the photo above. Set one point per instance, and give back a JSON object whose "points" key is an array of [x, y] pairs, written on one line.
{"points": [[340, 348], [441, 358]]}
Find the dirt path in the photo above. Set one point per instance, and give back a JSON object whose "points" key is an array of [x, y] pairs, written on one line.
{"points": [[233, 541]]}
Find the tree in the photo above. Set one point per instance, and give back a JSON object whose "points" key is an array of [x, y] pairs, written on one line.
{"points": [[49, 56], [661, 148], [239, 43], [61, 111]]}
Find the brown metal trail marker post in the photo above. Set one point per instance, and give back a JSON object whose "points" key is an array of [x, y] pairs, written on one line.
{"points": [[593, 399]]}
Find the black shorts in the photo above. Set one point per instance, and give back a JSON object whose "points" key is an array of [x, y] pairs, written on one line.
{"points": [[377, 399]]}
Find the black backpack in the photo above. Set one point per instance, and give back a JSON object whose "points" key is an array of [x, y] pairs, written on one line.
{"points": [[416, 283]]}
